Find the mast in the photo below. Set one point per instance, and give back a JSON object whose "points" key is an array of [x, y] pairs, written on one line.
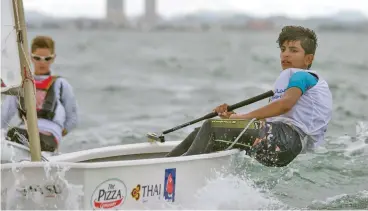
{"points": [[28, 81]]}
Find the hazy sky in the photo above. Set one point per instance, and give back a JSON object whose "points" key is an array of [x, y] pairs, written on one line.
{"points": [[300, 8]]}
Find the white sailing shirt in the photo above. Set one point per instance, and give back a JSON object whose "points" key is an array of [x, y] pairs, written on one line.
{"points": [[313, 111]]}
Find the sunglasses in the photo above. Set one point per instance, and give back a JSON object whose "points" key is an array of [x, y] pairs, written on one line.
{"points": [[42, 58]]}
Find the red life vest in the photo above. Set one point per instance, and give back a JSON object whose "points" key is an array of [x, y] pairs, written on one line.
{"points": [[2, 83], [45, 99]]}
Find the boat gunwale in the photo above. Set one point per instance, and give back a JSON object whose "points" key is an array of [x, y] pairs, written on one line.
{"points": [[123, 163]]}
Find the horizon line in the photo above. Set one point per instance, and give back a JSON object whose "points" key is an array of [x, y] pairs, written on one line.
{"points": [[237, 12]]}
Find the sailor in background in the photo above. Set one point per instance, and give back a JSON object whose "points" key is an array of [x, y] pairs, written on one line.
{"points": [[2, 83], [294, 121], [55, 101]]}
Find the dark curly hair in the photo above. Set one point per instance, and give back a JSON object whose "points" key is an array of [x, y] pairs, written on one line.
{"points": [[307, 38]]}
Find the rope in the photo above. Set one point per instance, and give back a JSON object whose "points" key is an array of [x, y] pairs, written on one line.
{"points": [[243, 131], [26, 68], [24, 141]]}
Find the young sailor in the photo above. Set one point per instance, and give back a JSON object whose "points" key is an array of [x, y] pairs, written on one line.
{"points": [[55, 101], [294, 121]]}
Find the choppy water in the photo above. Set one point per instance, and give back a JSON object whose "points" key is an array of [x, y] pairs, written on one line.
{"points": [[129, 83]]}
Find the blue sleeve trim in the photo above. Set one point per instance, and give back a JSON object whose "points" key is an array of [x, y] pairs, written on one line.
{"points": [[302, 80]]}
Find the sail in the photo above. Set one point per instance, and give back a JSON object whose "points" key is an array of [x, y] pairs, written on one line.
{"points": [[10, 65], [12, 60]]}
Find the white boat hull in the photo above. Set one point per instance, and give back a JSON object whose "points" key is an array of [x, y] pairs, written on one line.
{"points": [[12, 152], [87, 180]]}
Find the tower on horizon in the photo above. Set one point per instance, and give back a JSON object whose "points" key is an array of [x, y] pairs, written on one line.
{"points": [[115, 11], [150, 15]]}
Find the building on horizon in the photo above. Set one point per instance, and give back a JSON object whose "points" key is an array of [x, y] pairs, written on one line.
{"points": [[150, 17], [115, 11]]}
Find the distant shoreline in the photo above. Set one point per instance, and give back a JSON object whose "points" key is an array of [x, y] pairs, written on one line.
{"points": [[193, 31], [202, 22]]}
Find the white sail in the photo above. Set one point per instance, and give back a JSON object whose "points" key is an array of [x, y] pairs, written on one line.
{"points": [[15, 67], [10, 65]]}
